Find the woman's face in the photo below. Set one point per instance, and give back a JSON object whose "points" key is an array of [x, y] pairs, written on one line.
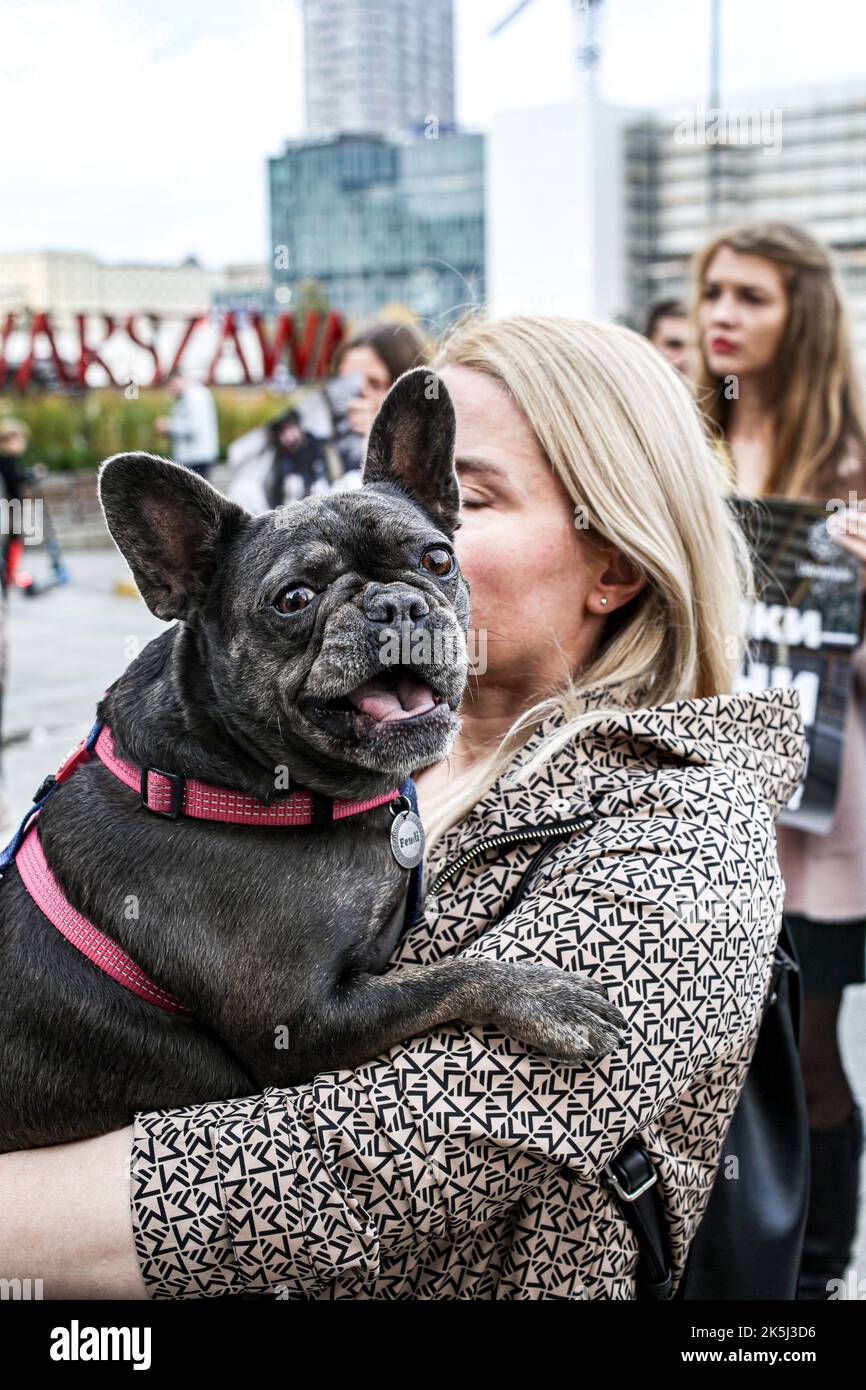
{"points": [[13, 443], [743, 312], [375, 377], [535, 578]]}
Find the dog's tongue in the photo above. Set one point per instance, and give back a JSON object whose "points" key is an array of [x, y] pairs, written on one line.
{"points": [[386, 703]]}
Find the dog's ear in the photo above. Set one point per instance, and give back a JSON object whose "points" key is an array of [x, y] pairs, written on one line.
{"points": [[169, 524], [412, 444]]}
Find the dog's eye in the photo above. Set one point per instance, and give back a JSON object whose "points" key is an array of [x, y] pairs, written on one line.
{"points": [[439, 561], [294, 599]]}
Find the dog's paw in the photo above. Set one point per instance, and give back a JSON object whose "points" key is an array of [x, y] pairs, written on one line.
{"points": [[567, 1017]]}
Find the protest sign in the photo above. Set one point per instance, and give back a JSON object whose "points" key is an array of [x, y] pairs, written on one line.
{"points": [[802, 630]]}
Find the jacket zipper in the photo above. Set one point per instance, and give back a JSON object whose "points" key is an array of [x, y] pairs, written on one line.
{"points": [[509, 837]]}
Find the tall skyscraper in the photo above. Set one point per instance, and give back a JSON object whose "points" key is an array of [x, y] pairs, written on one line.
{"points": [[378, 67]]}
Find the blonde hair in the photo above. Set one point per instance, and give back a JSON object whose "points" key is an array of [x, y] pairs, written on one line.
{"points": [[621, 431], [814, 393], [10, 427]]}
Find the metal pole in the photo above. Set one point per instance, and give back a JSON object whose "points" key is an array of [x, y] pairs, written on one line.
{"points": [[715, 151]]}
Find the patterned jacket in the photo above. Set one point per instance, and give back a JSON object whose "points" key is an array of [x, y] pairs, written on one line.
{"points": [[462, 1165]]}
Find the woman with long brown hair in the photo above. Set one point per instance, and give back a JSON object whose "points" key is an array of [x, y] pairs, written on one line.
{"points": [[378, 355], [778, 381]]}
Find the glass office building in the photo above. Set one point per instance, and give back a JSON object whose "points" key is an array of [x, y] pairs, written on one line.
{"points": [[379, 222]]}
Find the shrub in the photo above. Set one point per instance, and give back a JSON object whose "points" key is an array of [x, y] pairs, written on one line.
{"points": [[79, 431]]}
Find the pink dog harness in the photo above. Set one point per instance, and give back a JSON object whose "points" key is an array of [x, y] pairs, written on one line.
{"points": [[99, 949], [165, 794]]}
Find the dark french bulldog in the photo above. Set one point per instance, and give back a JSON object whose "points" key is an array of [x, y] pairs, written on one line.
{"points": [[274, 662]]}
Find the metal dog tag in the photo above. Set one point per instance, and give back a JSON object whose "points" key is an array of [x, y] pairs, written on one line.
{"points": [[407, 839]]}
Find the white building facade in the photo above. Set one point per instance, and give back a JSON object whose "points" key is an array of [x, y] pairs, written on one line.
{"points": [[597, 211], [555, 211]]}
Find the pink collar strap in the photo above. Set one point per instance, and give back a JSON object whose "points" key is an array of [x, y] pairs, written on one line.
{"points": [[165, 794]]}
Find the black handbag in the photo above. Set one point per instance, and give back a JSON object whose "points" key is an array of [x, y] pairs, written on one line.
{"points": [[749, 1242]]}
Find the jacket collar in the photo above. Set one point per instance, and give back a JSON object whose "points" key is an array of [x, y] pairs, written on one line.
{"points": [[554, 791], [759, 733]]}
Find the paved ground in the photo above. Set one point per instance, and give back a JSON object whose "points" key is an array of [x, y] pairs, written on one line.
{"points": [[67, 646]]}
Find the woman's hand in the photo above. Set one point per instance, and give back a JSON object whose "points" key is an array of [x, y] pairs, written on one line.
{"points": [[360, 414], [67, 1219], [848, 527]]}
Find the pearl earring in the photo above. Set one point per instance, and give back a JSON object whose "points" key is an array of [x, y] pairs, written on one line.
{"points": [[602, 599]]}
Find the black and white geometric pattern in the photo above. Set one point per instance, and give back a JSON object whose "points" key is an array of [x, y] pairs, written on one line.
{"points": [[461, 1165]]}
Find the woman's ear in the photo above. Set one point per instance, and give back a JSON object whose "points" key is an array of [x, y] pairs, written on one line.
{"points": [[617, 584]]}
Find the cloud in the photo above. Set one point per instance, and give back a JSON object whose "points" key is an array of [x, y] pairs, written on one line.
{"points": [[140, 131], [140, 140]]}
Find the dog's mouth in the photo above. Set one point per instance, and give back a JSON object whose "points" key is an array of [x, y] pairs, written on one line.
{"points": [[394, 695]]}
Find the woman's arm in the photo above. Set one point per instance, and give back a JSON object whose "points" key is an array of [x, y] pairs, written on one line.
{"points": [[284, 1192], [67, 1220], [338, 1179]]}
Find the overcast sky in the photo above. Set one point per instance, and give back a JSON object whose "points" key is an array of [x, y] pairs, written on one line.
{"points": [[139, 131]]}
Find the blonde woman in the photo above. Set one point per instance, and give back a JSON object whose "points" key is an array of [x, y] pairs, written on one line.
{"points": [[770, 318], [462, 1165]]}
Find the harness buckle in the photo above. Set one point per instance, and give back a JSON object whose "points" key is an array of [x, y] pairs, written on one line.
{"points": [[176, 783], [44, 788]]}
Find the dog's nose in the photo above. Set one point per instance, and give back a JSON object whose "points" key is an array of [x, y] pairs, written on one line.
{"points": [[392, 605]]}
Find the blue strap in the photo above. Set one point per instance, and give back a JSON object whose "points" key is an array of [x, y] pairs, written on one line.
{"points": [[49, 787], [413, 899]]}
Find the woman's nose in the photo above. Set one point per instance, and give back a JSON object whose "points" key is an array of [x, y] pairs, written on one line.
{"points": [[723, 309]]}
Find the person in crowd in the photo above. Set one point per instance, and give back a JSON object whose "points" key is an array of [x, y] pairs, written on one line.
{"points": [[192, 425], [463, 1164], [668, 329], [378, 355], [300, 461], [777, 379], [14, 438]]}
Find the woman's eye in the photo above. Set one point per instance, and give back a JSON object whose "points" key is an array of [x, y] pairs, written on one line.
{"points": [[294, 599], [439, 561]]}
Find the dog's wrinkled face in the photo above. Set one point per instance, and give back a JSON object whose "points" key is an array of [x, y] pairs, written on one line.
{"points": [[334, 629]]}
